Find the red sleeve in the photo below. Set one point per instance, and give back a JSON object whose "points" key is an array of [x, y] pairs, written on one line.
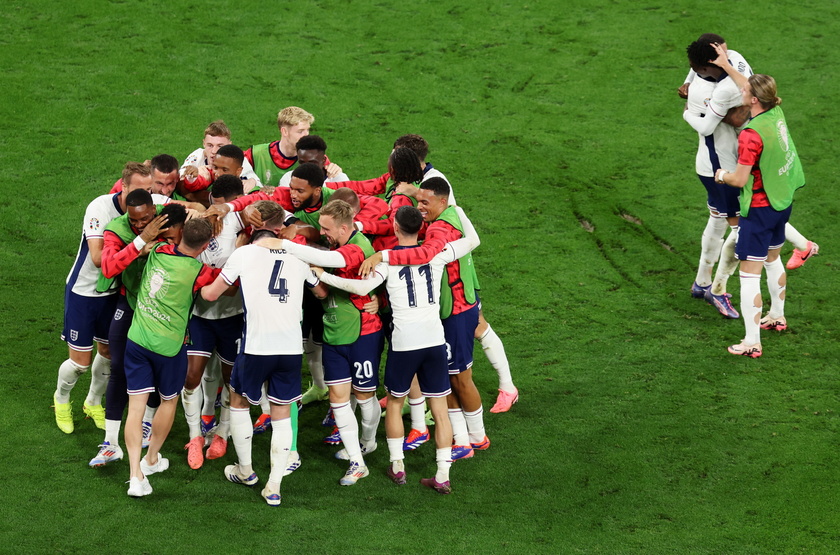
{"points": [[749, 147], [117, 188], [386, 226], [200, 183], [116, 255], [299, 239], [372, 208], [249, 155], [374, 186], [353, 257], [206, 276], [280, 195], [438, 234]]}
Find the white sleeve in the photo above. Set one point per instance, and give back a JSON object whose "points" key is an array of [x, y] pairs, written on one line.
{"points": [[93, 226], [285, 180], [690, 77], [249, 173], [233, 267], [161, 199], [703, 125], [339, 178], [357, 286], [311, 255], [196, 158], [723, 99]]}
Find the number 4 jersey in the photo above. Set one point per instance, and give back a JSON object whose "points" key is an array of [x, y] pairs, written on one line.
{"points": [[272, 285]]}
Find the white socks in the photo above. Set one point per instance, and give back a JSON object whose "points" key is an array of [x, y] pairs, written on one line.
{"points": [[191, 401], [281, 444], [751, 306], [265, 406], [417, 409], [776, 284], [395, 449], [371, 413], [799, 241], [210, 386], [223, 431], [727, 264], [241, 431], [459, 427], [345, 420], [475, 425], [112, 431], [444, 462], [495, 351], [68, 375], [100, 372], [711, 243]]}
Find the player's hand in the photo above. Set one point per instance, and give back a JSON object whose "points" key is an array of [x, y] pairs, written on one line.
{"points": [[737, 116], [317, 270], [333, 169], [289, 232], [192, 213], [268, 189], [406, 189], [153, 228], [248, 184], [369, 264], [251, 216], [371, 307], [191, 172], [721, 60], [147, 248], [683, 91], [215, 214]]}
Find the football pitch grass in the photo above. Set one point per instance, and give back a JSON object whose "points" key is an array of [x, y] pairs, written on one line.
{"points": [[560, 128]]}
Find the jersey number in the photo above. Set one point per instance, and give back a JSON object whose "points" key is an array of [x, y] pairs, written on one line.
{"points": [[277, 285], [426, 271], [364, 370]]}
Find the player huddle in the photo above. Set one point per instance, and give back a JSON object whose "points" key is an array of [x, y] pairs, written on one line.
{"points": [[187, 287], [747, 161]]}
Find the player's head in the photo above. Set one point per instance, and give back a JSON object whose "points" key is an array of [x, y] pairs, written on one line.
{"points": [[433, 198], [228, 161], [349, 196], [404, 166], [136, 176], [760, 89], [407, 220], [176, 216], [294, 123], [305, 186], [216, 136], [700, 54], [415, 143], [336, 221], [262, 234], [164, 174], [140, 209], [197, 234], [272, 214], [713, 38], [226, 188], [312, 149]]}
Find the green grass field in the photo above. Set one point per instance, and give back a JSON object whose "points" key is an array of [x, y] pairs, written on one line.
{"points": [[561, 131]]}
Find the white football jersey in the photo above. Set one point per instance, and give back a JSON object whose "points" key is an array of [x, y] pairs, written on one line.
{"points": [[287, 178], [197, 158], [434, 172], [216, 255], [272, 286], [99, 213], [708, 103]]}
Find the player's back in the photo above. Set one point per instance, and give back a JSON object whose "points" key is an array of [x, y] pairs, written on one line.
{"points": [[272, 285], [414, 294]]}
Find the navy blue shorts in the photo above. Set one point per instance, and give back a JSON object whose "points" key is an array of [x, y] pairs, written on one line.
{"points": [[357, 363], [459, 331], [222, 335], [428, 364], [723, 199], [763, 229], [146, 371], [282, 372], [86, 319]]}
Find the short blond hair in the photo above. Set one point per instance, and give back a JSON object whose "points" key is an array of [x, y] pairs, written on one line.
{"points": [[134, 168], [288, 117], [218, 128], [270, 212], [341, 212]]}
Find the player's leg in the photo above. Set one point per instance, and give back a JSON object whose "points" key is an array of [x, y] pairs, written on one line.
{"points": [[803, 248], [170, 374], [284, 389], [776, 279], [753, 239], [459, 331], [434, 385], [712, 238], [218, 445], [337, 376], [198, 356], [140, 382], [100, 372], [249, 373], [400, 368], [419, 433], [211, 389], [494, 350]]}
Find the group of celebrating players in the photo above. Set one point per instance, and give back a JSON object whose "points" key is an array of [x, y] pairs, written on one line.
{"points": [[190, 288], [748, 163]]}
